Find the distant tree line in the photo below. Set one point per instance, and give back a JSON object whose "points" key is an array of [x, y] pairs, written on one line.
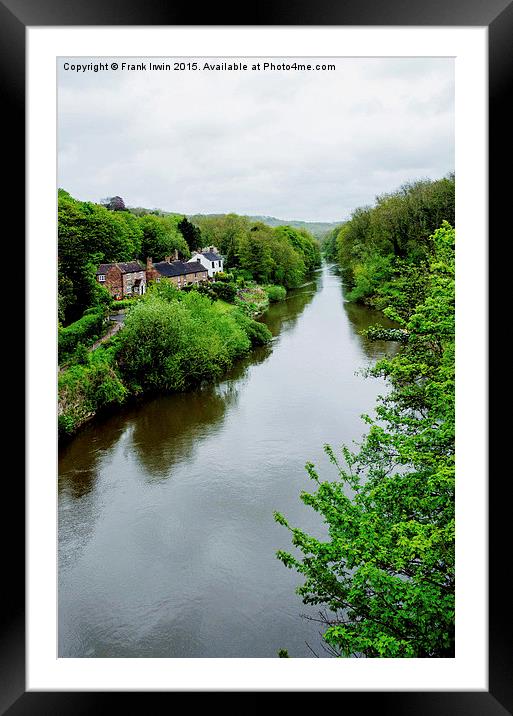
{"points": [[381, 243], [283, 255]]}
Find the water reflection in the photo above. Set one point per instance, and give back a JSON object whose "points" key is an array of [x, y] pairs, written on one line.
{"points": [[167, 538], [362, 317], [284, 315], [80, 457], [168, 429]]}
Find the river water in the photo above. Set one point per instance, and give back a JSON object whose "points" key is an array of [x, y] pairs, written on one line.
{"points": [[166, 534]]}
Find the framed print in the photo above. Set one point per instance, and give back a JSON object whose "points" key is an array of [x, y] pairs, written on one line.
{"points": [[200, 168]]}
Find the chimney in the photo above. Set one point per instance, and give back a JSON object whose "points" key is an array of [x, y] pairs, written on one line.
{"points": [[149, 264], [167, 259], [176, 255]]}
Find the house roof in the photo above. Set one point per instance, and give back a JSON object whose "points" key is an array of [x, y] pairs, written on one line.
{"points": [[211, 256], [178, 268], [126, 267], [131, 267]]}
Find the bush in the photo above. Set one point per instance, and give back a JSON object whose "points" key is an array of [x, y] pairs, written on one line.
{"points": [[225, 291], [258, 333], [81, 355], [124, 303], [275, 293], [173, 345], [222, 276], [86, 330], [85, 389], [93, 311]]}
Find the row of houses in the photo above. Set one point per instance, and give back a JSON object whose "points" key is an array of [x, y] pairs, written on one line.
{"points": [[126, 279]]}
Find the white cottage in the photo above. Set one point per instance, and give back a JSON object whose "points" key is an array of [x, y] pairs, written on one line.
{"points": [[210, 260]]}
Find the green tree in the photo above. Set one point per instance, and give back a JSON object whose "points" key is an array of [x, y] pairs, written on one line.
{"points": [[377, 242], [384, 574], [227, 233], [161, 237], [281, 255], [171, 340], [191, 234], [89, 234]]}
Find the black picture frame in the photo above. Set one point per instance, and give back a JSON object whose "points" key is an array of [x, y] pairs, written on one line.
{"points": [[497, 16]]}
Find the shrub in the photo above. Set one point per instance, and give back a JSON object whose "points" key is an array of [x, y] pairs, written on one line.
{"points": [[86, 330], [225, 291], [80, 355], [222, 276], [173, 345], [258, 333], [275, 293], [122, 304], [85, 389]]}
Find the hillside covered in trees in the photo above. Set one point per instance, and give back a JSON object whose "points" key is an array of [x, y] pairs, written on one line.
{"points": [[384, 249], [90, 234], [282, 255], [316, 228]]}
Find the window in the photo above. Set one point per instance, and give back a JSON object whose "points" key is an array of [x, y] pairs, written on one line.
{"points": [[101, 277], [213, 264], [198, 260], [129, 289]]}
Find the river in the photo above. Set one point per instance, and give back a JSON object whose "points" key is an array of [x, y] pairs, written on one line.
{"points": [[166, 534]]}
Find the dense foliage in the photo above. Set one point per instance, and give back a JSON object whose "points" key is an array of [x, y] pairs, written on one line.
{"points": [[161, 236], [90, 234], [281, 255], [384, 574], [275, 293], [191, 233], [379, 244], [84, 331], [171, 340], [88, 386], [329, 245]]}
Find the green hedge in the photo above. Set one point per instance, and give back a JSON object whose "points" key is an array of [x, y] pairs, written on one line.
{"points": [[85, 330], [124, 303], [173, 345], [85, 389]]}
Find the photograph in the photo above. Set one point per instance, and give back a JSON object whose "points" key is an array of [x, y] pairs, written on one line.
{"points": [[256, 295], [256, 357]]}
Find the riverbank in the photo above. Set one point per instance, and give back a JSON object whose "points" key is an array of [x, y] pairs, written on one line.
{"points": [[170, 341]]}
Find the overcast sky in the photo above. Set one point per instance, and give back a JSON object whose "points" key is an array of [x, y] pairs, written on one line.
{"points": [[295, 145]]}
